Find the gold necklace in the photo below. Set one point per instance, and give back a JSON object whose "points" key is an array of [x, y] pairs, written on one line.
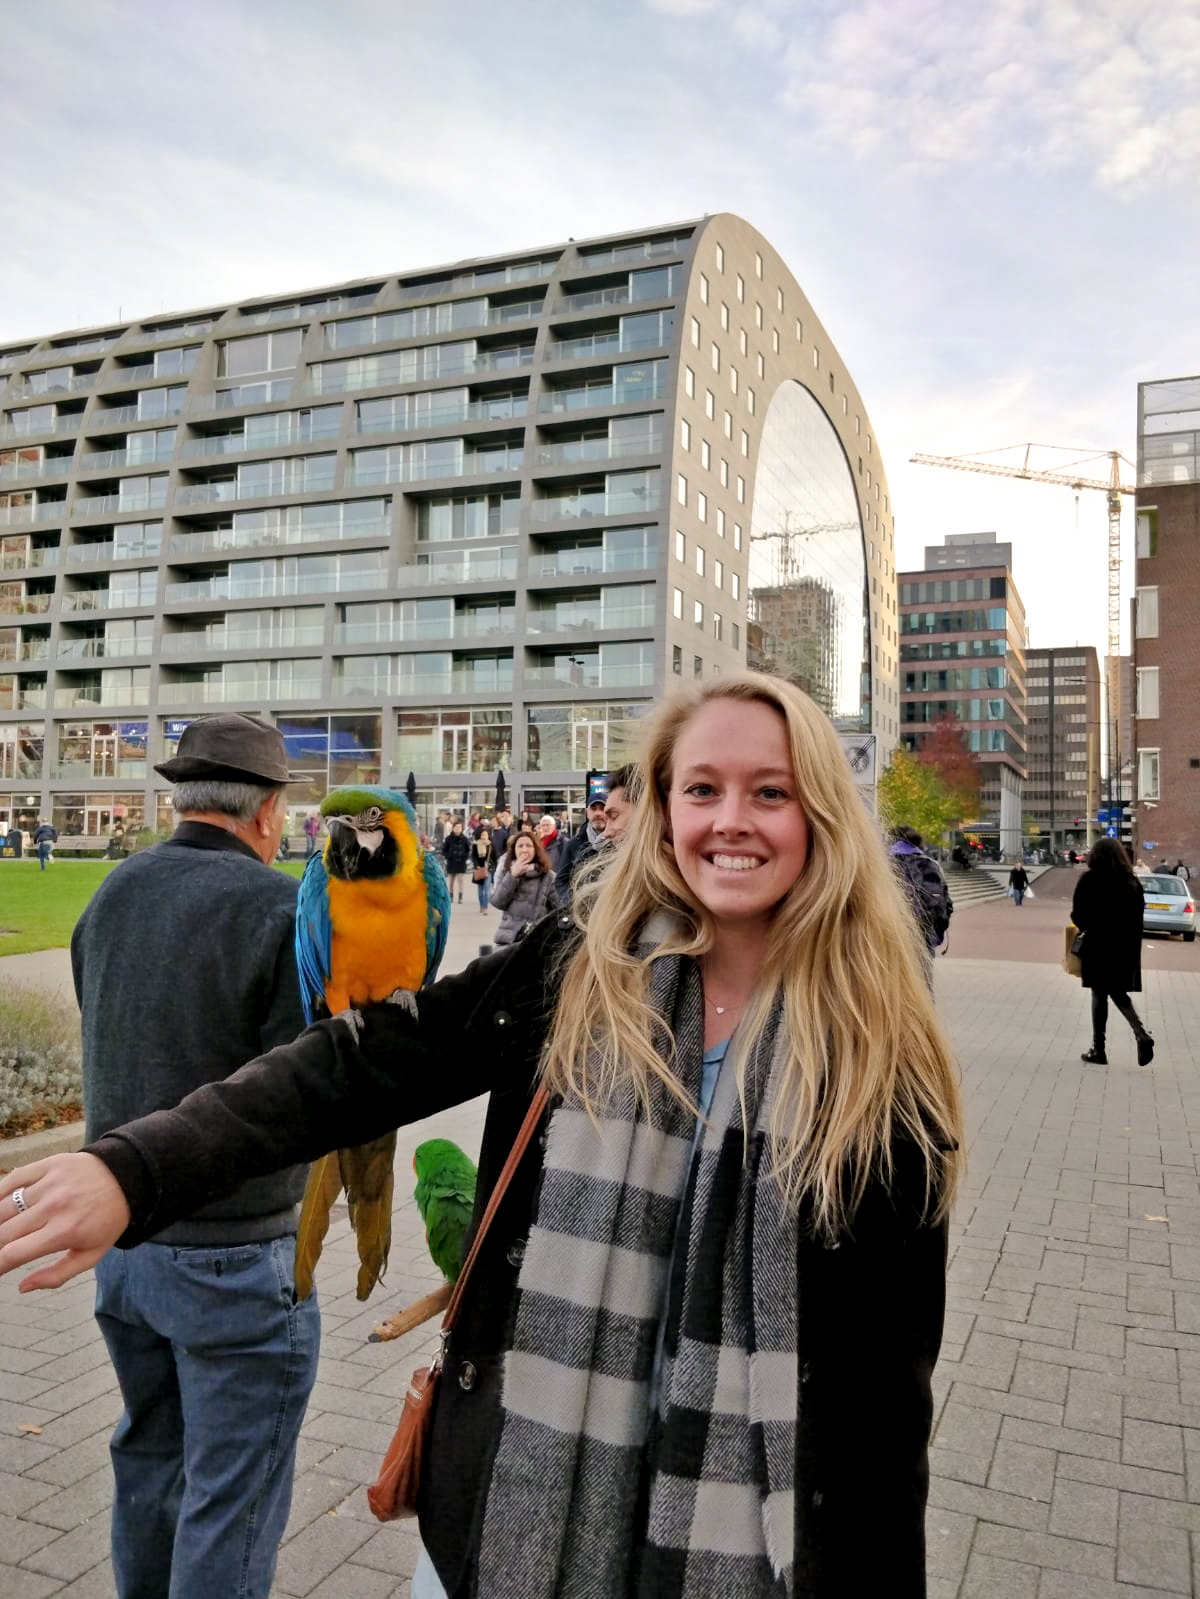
{"points": [[720, 1009]]}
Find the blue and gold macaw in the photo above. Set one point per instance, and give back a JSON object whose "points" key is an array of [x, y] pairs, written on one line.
{"points": [[371, 925]]}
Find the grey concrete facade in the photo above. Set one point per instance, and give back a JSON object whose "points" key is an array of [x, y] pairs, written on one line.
{"points": [[447, 521]]}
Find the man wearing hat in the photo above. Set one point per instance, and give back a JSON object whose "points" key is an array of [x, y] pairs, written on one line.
{"points": [[184, 970]]}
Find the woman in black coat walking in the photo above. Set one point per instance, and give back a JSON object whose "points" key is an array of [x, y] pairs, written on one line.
{"points": [[456, 852], [1107, 909]]}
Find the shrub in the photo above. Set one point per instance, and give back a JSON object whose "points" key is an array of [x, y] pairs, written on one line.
{"points": [[40, 1063]]}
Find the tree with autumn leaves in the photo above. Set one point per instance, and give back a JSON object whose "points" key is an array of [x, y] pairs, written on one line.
{"points": [[935, 788]]}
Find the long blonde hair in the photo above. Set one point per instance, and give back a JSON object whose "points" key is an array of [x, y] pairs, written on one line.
{"points": [[866, 1057]]}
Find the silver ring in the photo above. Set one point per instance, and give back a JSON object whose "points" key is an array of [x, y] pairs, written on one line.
{"points": [[18, 1199]]}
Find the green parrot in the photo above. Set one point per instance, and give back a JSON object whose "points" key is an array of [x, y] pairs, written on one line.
{"points": [[371, 924], [445, 1196]]}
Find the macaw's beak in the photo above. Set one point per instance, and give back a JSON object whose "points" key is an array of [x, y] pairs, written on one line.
{"points": [[345, 854]]}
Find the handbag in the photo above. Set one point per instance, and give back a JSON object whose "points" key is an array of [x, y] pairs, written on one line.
{"points": [[1072, 962], [394, 1493], [478, 875]]}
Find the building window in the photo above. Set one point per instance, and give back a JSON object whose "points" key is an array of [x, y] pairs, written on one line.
{"points": [[697, 666], [741, 490], [729, 424], [702, 505], [703, 289], [685, 433], [720, 258], [758, 265], [261, 352], [779, 299], [724, 473], [816, 357], [736, 635], [746, 438], [1147, 613], [705, 455], [1147, 774], [799, 329], [698, 613], [735, 587], [720, 523], [1147, 692], [758, 315], [741, 287], [681, 489], [750, 404], [718, 574], [689, 383], [699, 561], [1147, 534], [775, 340], [733, 378], [677, 604], [743, 342], [737, 535], [716, 357], [696, 332], [680, 546], [718, 627], [677, 660], [710, 404]]}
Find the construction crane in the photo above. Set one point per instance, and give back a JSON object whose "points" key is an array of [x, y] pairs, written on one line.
{"points": [[1112, 487]]}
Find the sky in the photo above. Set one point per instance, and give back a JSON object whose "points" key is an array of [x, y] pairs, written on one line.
{"points": [[991, 204]]}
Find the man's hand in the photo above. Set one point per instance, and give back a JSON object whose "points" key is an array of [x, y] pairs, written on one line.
{"points": [[72, 1203]]}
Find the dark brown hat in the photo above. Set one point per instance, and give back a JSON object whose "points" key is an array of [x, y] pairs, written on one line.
{"points": [[237, 747]]}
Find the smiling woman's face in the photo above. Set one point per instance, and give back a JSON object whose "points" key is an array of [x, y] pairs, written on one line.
{"points": [[739, 831]]}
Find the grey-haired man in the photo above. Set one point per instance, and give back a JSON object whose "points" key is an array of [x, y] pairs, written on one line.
{"points": [[184, 969]]}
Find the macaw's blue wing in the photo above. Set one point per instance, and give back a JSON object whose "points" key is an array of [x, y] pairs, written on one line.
{"points": [[437, 914], [314, 935]]}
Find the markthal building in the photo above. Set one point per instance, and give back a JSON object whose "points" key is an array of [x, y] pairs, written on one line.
{"points": [[457, 521]]}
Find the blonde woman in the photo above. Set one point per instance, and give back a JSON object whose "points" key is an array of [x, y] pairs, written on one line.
{"points": [[695, 1354]]}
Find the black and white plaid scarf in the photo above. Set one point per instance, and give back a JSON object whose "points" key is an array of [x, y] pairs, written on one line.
{"points": [[591, 1497]]}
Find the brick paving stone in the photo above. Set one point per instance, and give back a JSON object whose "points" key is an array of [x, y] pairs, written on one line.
{"points": [[990, 1578], [1153, 1555], [1084, 1510], [16, 1583]]}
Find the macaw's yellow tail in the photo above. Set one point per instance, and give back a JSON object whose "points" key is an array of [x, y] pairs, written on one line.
{"points": [[369, 1178], [320, 1195]]}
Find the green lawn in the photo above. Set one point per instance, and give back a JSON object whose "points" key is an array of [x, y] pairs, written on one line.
{"points": [[38, 910]]}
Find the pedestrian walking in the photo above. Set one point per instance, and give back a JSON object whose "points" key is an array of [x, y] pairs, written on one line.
{"points": [[1180, 870], [45, 838], [552, 841], [694, 1354], [214, 1360], [924, 885], [456, 852], [524, 887], [1018, 883], [1108, 908], [481, 866], [312, 831], [581, 848]]}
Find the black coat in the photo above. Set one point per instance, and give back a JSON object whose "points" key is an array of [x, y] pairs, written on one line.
{"points": [[871, 1305], [456, 851], [1108, 908]]}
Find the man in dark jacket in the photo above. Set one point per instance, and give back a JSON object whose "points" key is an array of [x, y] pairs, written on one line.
{"points": [[924, 884], [581, 848], [45, 838], [184, 970]]}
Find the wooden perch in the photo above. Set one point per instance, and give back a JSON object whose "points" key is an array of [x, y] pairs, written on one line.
{"points": [[412, 1315]]}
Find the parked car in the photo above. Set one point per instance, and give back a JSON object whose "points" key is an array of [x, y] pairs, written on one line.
{"points": [[1170, 907]]}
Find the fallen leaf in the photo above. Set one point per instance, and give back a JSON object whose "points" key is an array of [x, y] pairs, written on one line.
{"points": [[27, 1426]]}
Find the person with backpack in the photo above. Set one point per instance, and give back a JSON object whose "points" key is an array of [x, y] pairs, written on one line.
{"points": [[924, 884], [45, 838]]}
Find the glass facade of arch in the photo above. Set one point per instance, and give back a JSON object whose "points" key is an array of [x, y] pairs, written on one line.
{"points": [[808, 570]]}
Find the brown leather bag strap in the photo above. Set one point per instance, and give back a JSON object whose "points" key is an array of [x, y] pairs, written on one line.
{"points": [[533, 1116]]}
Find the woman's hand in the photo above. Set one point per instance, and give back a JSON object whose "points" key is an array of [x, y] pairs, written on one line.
{"points": [[71, 1203]]}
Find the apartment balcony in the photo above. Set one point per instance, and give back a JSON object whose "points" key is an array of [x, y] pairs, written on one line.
{"points": [[446, 416], [118, 416], [272, 586], [176, 335], [215, 692], [592, 398], [599, 346], [592, 506], [594, 299], [456, 681], [79, 384], [589, 562], [487, 278], [17, 432], [222, 444], [115, 505], [86, 601], [470, 567], [25, 699], [222, 491], [106, 460], [416, 631], [199, 642], [471, 465], [24, 604], [37, 649], [129, 376], [589, 674], [17, 561], [239, 396], [95, 649], [632, 254], [94, 697], [217, 539], [86, 349], [18, 515], [54, 468], [573, 451], [590, 619]]}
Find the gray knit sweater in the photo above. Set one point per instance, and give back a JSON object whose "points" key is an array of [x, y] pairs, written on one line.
{"points": [[184, 969]]}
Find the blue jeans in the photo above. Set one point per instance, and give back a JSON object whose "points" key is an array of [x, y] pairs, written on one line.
{"points": [[1018, 896], [215, 1364], [44, 849], [484, 889]]}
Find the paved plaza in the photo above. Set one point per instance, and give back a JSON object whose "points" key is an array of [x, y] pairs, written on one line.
{"points": [[1066, 1463]]}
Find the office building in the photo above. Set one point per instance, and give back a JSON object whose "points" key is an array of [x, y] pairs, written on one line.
{"points": [[1062, 795], [447, 521], [1166, 603], [962, 651]]}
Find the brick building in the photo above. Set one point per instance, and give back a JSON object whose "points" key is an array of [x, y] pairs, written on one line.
{"points": [[1166, 659]]}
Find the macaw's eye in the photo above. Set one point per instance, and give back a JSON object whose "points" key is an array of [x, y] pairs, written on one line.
{"points": [[372, 813]]}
